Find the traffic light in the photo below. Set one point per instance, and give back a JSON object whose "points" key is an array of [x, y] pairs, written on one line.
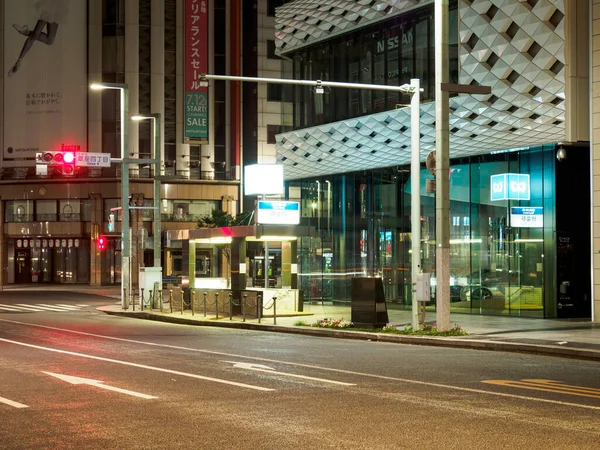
{"points": [[111, 222], [101, 243], [62, 162]]}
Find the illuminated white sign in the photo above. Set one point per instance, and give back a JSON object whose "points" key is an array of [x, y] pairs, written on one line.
{"points": [[263, 179], [523, 217], [278, 213]]}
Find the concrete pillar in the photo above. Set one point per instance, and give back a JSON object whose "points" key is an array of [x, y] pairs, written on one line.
{"points": [[96, 259], [289, 253], [577, 71], [182, 149], [94, 56], [594, 94], [238, 276], [132, 75], [157, 65], [188, 261], [3, 248]]}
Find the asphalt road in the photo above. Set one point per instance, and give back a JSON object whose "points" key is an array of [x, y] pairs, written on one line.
{"points": [[75, 378]]}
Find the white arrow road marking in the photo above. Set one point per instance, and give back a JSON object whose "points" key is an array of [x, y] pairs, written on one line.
{"points": [[11, 403], [267, 369], [140, 366], [97, 383]]}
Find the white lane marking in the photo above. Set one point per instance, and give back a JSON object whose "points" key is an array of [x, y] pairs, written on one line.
{"points": [[139, 366], [19, 308], [309, 366], [43, 308], [267, 369], [98, 384], [11, 403]]}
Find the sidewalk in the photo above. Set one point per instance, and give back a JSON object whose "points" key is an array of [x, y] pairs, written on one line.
{"points": [[565, 338]]}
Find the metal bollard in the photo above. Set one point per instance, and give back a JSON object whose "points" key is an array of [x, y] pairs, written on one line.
{"points": [[150, 299], [245, 296], [230, 306], [182, 302], [216, 305], [133, 298], [125, 305], [259, 306], [142, 299], [171, 300], [205, 294], [274, 310], [193, 301]]}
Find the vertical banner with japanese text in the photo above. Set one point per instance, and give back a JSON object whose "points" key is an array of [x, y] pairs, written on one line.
{"points": [[196, 63], [45, 80]]}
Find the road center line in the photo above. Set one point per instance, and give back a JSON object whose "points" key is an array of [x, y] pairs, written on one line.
{"points": [[310, 366], [139, 366]]}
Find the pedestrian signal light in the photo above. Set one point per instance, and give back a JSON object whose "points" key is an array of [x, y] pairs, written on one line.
{"points": [[101, 243]]}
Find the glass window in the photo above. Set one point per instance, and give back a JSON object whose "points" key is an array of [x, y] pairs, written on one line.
{"points": [[18, 211], [70, 211], [45, 210]]}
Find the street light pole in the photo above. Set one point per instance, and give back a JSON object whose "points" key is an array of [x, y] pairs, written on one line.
{"points": [[415, 196], [156, 123], [125, 232], [413, 89]]}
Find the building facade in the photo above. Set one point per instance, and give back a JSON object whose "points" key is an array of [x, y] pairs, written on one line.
{"points": [[525, 253], [52, 52]]}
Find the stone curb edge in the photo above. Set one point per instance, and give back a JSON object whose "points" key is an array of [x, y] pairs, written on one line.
{"points": [[475, 344]]}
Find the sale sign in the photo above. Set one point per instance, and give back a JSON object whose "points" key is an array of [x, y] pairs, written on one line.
{"points": [[196, 64]]}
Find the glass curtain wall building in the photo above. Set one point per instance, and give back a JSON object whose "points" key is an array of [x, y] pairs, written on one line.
{"points": [[519, 228], [502, 258]]}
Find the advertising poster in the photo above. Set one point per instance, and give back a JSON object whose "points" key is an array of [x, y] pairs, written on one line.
{"points": [[196, 63], [45, 84]]}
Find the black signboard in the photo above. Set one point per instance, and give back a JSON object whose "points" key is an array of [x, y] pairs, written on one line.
{"points": [[368, 308]]}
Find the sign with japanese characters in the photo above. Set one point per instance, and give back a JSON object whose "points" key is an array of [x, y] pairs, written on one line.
{"points": [[526, 217], [278, 212], [196, 63], [45, 79], [89, 159]]}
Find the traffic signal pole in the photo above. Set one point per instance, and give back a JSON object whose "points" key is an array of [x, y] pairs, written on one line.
{"points": [[125, 232]]}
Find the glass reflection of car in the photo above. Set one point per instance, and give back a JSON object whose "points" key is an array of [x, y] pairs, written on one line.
{"points": [[488, 284], [455, 287]]}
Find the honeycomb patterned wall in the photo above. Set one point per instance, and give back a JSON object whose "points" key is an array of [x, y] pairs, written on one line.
{"points": [[514, 46]]}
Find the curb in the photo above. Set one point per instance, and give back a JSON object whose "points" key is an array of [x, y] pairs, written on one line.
{"points": [[474, 344]]}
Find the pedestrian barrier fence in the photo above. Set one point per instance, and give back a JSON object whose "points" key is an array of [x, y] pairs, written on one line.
{"points": [[221, 303]]}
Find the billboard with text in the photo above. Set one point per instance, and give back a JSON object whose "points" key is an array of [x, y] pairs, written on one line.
{"points": [[45, 81]]}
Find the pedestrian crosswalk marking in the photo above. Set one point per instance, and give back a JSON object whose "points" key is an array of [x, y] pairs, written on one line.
{"points": [[40, 307]]}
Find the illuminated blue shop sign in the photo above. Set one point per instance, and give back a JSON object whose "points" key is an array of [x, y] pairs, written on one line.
{"points": [[510, 186]]}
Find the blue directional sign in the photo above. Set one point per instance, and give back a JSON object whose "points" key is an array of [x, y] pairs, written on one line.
{"points": [[510, 186]]}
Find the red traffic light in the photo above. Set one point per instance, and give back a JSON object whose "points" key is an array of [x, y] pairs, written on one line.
{"points": [[101, 243], [68, 157]]}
